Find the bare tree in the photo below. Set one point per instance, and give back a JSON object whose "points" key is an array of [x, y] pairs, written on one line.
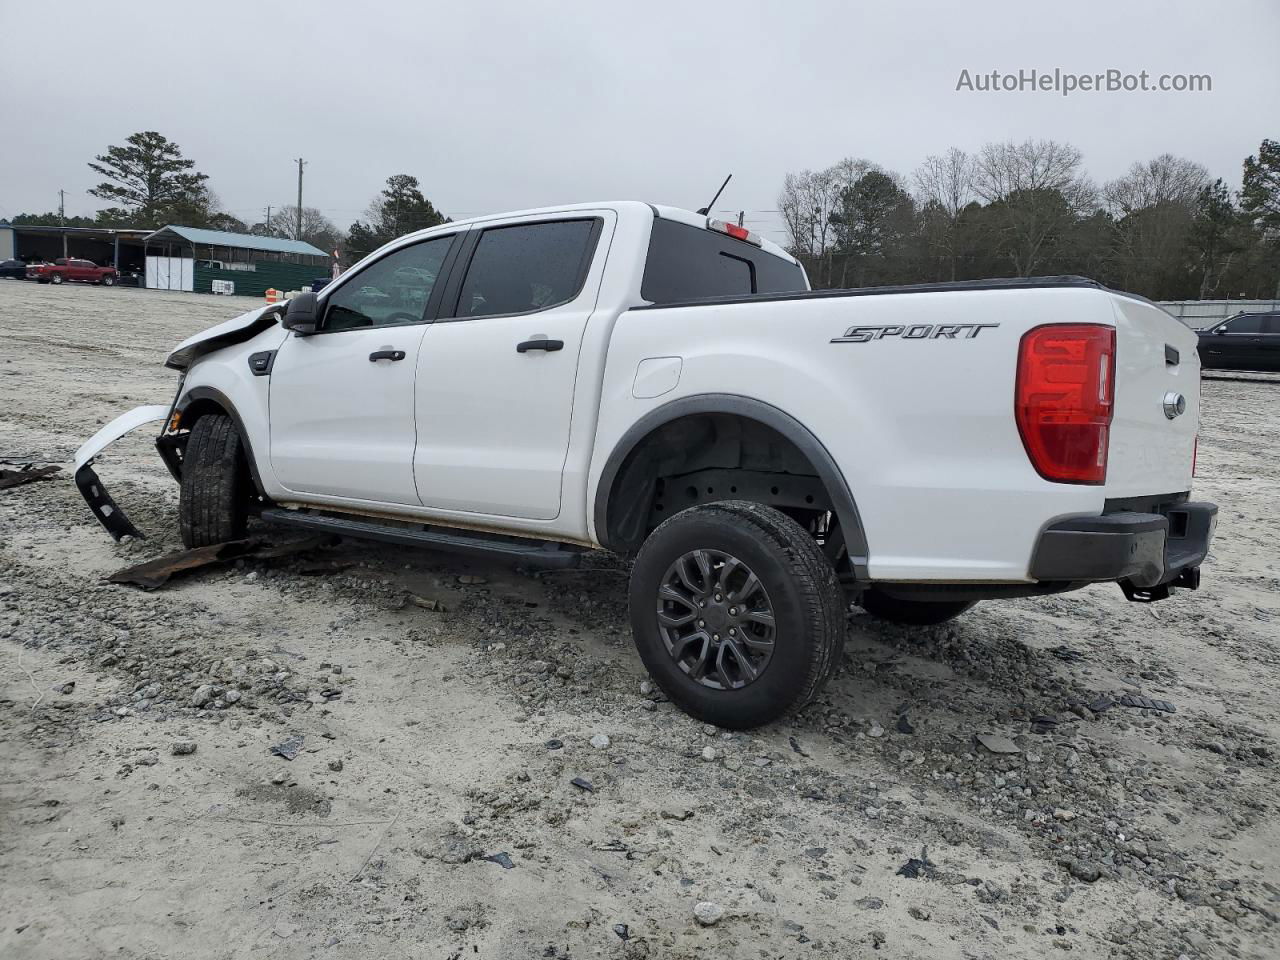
{"points": [[1003, 169], [809, 200], [946, 180], [944, 187], [1166, 179], [317, 229]]}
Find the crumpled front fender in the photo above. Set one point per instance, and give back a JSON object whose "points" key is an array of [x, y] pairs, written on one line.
{"points": [[91, 488]]}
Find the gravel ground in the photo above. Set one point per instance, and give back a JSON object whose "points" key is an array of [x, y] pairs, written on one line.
{"points": [[497, 779]]}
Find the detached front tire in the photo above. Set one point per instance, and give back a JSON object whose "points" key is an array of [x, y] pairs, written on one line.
{"points": [[214, 499], [912, 613], [736, 612]]}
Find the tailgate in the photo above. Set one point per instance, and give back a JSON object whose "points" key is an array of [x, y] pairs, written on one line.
{"points": [[1150, 451]]}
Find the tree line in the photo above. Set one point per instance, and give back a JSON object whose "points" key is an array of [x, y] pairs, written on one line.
{"points": [[1164, 229], [150, 184]]}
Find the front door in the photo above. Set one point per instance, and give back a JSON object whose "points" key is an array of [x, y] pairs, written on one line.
{"points": [[342, 398], [497, 371]]}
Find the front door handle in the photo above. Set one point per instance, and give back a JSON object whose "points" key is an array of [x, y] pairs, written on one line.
{"points": [[542, 344], [386, 355]]}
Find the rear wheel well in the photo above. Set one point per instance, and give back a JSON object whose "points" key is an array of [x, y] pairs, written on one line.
{"points": [[708, 457]]}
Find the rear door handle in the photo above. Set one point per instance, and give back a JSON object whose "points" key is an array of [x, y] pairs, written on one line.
{"points": [[542, 344], [386, 355]]}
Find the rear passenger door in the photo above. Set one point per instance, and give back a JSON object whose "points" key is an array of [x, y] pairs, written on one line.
{"points": [[496, 373]]}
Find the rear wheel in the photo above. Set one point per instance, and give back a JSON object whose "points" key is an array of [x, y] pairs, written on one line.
{"points": [[736, 612], [917, 613], [214, 500], [56, 278]]}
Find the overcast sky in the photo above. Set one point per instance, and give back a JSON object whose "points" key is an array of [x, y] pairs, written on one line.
{"points": [[498, 106]]}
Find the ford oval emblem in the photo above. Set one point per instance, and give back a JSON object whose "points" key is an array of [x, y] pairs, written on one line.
{"points": [[1175, 404]]}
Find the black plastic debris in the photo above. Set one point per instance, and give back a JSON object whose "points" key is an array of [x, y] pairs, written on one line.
{"points": [[27, 474], [1066, 654], [1100, 704], [554, 744], [919, 867], [288, 748], [798, 747], [501, 859], [1146, 703], [582, 784], [904, 724], [1043, 724], [622, 930]]}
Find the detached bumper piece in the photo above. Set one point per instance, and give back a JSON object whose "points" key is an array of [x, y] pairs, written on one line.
{"points": [[103, 507], [1147, 554]]}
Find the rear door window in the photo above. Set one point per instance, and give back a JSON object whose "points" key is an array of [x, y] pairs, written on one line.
{"points": [[1251, 323], [527, 267], [693, 263]]}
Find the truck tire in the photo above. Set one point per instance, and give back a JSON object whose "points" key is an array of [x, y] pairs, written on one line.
{"points": [[56, 278], [736, 613], [913, 613], [214, 499], [108, 281]]}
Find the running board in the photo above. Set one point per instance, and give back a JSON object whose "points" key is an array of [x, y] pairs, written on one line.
{"points": [[539, 553]]}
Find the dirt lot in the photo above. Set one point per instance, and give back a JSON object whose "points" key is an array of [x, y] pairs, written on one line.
{"points": [[433, 811]]}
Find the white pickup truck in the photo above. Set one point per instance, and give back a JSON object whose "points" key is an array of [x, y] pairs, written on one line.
{"points": [[653, 382]]}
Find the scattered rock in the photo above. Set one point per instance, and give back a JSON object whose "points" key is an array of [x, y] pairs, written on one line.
{"points": [[583, 784], [501, 859], [336, 765], [708, 753], [707, 912], [995, 743], [600, 741], [181, 748], [1085, 870], [289, 748]]}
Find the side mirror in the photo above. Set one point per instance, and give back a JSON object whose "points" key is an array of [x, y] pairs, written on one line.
{"points": [[301, 315], [1220, 331]]}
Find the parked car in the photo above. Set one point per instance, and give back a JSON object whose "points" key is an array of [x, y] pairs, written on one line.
{"points": [[64, 269], [13, 269], [666, 386], [1247, 341]]}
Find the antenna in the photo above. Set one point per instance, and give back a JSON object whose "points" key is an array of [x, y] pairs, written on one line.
{"points": [[707, 209]]}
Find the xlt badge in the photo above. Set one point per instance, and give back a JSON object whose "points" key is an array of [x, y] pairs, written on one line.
{"points": [[918, 331]]}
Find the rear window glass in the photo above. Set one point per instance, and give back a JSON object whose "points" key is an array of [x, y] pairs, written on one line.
{"points": [[692, 263], [526, 267]]}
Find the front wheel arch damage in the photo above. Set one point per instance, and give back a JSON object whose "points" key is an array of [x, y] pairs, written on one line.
{"points": [[201, 402]]}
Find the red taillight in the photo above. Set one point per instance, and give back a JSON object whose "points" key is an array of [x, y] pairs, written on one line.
{"points": [[1063, 400]]}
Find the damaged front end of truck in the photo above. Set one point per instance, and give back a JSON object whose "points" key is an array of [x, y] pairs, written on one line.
{"points": [[171, 442]]}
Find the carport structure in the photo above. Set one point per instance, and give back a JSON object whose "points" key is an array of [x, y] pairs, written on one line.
{"points": [[192, 258], [120, 247]]}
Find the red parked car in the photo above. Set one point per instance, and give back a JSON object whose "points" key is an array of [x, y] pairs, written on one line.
{"points": [[63, 270]]}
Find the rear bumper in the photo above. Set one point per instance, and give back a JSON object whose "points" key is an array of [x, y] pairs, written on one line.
{"points": [[1146, 553]]}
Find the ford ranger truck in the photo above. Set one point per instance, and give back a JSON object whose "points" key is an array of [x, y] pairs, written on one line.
{"points": [[653, 382]]}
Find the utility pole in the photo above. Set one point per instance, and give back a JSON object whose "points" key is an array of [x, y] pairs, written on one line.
{"points": [[742, 218], [267, 223], [62, 208], [301, 164]]}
